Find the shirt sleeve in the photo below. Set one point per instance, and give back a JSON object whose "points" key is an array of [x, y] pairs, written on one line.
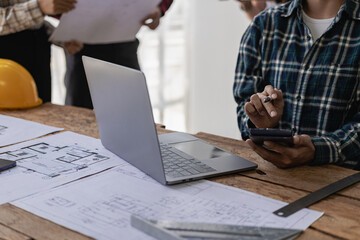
{"points": [[248, 75], [19, 17], [165, 5], [341, 147]]}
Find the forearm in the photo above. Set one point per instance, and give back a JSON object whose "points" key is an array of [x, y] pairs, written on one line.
{"points": [[243, 121], [248, 76], [341, 147], [19, 17]]}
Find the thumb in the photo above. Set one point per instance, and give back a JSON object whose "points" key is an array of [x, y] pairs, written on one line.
{"points": [[297, 140], [302, 140]]}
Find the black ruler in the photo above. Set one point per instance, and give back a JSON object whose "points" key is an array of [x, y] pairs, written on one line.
{"points": [[317, 195]]}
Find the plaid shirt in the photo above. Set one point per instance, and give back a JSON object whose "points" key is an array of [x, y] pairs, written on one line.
{"points": [[18, 15], [320, 80]]}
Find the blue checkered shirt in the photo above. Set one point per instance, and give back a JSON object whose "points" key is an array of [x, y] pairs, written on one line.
{"points": [[320, 80]]}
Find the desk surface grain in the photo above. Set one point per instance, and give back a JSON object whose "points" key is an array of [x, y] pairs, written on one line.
{"points": [[341, 219]]}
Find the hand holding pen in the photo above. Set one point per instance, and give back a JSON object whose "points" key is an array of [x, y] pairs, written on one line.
{"points": [[265, 109]]}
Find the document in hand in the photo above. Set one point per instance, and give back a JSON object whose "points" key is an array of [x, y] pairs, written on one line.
{"points": [[105, 21]]}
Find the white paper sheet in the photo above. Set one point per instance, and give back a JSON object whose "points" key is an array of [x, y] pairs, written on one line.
{"points": [[51, 161], [105, 21], [15, 130], [101, 206]]}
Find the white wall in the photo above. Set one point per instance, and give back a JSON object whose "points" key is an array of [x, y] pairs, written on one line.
{"points": [[214, 30]]}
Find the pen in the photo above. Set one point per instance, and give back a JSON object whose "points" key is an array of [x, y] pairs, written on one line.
{"points": [[268, 99]]}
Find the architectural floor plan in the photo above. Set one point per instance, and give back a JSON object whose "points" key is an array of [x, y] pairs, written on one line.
{"points": [[104, 203], [52, 161], [15, 130], [2, 129]]}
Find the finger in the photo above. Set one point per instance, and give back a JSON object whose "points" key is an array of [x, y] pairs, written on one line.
{"points": [[277, 98], [279, 93], [62, 9], [302, 140], [250, 109], [145, 20], [264, 153], [279, 148], [154, 25], [270, 91], [64, 2], [270, 108], [64, 6], [70, 50], [297, 140], [77, 43], [257, 102], [267, 155]]}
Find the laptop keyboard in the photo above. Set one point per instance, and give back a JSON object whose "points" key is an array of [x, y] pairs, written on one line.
{"points": [[179, 164]]}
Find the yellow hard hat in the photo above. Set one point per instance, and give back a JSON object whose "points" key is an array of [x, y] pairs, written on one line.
{"points": [[17, 86]]}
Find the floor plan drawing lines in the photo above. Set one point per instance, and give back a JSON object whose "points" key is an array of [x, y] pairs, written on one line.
{"points": [[15, 130], [100, 206], [51, 161], [2, 129]]}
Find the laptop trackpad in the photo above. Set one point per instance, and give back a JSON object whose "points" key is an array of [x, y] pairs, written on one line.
{"points": [[200, 150]]}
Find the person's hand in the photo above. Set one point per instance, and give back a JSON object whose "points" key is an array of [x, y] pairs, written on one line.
{"points": [[265, 115], [73, 47], [302, 152], [54, 7], [252, 8], [153, 19]]}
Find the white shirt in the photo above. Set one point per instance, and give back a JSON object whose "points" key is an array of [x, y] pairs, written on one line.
{"points": [[317, 26]]}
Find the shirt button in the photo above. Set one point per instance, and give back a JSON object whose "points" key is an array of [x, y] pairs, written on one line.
{"points": [[298, 98]]}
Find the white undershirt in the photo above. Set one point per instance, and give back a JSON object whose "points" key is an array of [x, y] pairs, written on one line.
{"points": [[317, 26]]}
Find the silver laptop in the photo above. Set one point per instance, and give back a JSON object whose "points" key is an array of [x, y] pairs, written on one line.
{"points": [[126, 126]]}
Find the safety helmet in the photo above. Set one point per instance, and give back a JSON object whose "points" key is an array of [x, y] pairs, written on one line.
{"points": [[17, 86]]}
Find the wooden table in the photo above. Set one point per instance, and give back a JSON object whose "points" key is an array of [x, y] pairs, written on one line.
{"points": [[341, 219]]}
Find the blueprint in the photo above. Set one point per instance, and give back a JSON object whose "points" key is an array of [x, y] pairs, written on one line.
{"points": [[50, 162], [101, 206], [15, 130], [105, 21], [2, 129]]}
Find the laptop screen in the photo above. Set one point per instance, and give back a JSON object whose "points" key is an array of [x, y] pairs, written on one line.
{"points": [[200, 150]]}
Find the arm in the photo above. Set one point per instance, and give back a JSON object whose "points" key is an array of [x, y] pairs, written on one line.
{"points": [[24, 15], [153, 19], [248, 77], [19, 17], [340, 147], [252, 8]]}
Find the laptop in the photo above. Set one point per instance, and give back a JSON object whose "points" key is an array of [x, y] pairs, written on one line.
{"points": [[125, 119]]}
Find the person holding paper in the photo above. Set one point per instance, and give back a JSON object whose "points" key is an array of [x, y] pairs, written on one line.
{"points": [[123, 53], [305, 55], [24, 37]]}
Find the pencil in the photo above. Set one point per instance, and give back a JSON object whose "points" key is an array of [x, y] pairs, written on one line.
{"points": [[268, 99]]}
